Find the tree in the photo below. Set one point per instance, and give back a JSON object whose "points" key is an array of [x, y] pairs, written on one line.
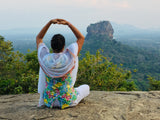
{"points": [[18, 72], [5, 65], [154, 84], [101, 74]]}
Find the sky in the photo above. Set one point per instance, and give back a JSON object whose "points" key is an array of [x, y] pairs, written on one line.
{"points": [[81, 13]]}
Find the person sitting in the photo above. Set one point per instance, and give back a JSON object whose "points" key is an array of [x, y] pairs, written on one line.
{"points": [[58, 70]]}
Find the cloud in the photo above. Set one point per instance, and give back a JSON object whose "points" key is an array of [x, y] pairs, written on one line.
{"points": [[25, 4], [123, 4], [36, 12], [88, 3], [102, 3]]}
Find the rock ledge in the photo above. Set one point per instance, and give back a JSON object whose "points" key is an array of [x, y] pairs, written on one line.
{"points": [[99, 105]]}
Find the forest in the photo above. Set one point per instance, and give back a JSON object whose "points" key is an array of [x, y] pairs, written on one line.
{"points": [[19, 72], [140, 61]]}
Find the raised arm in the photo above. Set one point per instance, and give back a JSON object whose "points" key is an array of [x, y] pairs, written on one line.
{"points": [[39, 38], [77, 33]]}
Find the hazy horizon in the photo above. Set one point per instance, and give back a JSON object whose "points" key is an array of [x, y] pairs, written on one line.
{"points": [[35, 14]]}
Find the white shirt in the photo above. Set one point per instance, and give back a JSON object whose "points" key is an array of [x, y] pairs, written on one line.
{"points": [[43, 52]]}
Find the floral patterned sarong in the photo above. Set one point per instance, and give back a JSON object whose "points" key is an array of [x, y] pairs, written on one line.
{"points": [[59, 89]]}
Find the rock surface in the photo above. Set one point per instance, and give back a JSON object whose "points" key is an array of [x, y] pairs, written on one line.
{"points": [[99, 105], [101, 28]]}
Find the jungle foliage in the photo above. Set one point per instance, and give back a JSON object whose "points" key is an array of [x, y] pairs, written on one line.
{"points": [[19, 72], [140, 62], [154, 84], [101, 74]]}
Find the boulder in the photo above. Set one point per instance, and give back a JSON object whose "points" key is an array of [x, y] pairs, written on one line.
{"points": [[103, 28]]}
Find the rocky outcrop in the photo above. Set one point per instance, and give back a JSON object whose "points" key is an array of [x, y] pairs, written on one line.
{"points": [[99, 105], [101, 28]]}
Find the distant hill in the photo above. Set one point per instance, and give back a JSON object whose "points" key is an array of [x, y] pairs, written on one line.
{"points": [[148, 39], [129, 30], [145, 62]]}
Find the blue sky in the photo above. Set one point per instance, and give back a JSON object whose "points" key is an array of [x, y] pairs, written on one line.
{"points": [[35, 13]]}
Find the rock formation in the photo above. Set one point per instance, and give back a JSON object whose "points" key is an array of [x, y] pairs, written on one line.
{"points": [[99, 105], [101, 28]]}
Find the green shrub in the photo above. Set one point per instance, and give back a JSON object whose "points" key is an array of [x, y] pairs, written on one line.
{"points": [[154, 84], [101, 74]]}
